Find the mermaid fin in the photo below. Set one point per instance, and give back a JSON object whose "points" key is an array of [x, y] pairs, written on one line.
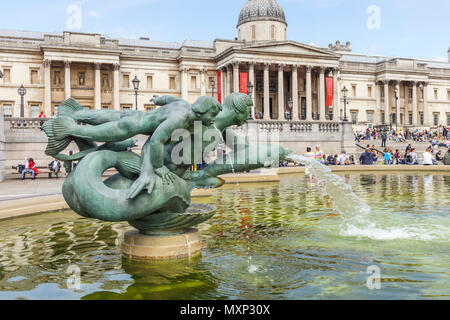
{"points": [[58, 135], [69, 107]]}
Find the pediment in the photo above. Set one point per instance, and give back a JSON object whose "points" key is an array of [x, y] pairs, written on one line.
{"points": [[289, 47]]}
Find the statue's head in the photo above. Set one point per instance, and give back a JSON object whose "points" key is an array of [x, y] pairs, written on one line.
{"points": [[238, 106], [206, 109]]}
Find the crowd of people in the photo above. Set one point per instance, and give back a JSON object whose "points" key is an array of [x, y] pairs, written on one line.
{"points": [[372, 156], [440, 136]]}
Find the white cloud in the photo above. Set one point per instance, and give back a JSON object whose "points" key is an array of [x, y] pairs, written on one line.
{"points": [[94, 14], [441, 59]]}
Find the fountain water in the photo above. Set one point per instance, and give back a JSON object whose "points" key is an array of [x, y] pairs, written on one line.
{"points": [[358, 219]]}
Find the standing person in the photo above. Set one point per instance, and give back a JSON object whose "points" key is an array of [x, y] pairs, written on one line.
{"points": [[397, 156], [309, 154], [366, 158], [319, 155], [383, 139], [387, 157]]}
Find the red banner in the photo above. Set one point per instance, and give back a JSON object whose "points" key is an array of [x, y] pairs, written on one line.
{"points": [[329, 92], [219, 86], [243, 83]]}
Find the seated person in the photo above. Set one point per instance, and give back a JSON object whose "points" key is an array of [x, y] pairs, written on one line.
{"points": [[55, 166], [30, 168]]}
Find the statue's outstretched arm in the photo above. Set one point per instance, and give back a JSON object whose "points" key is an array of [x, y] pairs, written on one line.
{"points": [[163, 100], [162, 135], [146, 178]]}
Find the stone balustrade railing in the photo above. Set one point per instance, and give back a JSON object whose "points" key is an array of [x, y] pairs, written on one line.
{"points": [[23, 123]]}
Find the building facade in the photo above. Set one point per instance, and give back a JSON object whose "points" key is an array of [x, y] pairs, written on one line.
{"points": [[292, 81]]}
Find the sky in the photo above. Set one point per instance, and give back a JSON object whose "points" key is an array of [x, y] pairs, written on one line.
{"points": [[403, 28]]}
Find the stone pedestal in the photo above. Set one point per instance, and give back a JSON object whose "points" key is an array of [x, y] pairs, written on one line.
{"points": [[148, 247]]}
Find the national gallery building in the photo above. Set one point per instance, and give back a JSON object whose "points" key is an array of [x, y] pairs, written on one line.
{"points": [[287, 80]]}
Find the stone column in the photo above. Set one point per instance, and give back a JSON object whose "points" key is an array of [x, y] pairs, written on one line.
{"points": [[415, 112], [397, 104], [294, 90], [47, 88], [425, 104], [184, 83], [387, 108], [116, 87], [281, 116], [308, 94], [202, 82], [251, 76], [266, 92], [235, 76], [97, 88], [230, 80], [223, 83], [335, 95], [67, 82], [322, 94], [378, 106]]}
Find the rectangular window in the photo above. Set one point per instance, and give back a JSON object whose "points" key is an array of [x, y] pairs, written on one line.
{"points": [[381, 93], [354, 90], [126, 108], [6, 75], [55, 108], [105, 108], [34, 77], [369, 91], [448, 119], [448, 95], [34, 111], [382, 118], [421, 119], [149, 108], [193, 82], [410, 94], [87, 107], [172, 83], [253, 33], [149, 82], [272, 31], [436, 119], [126, 81], [7, 110], [354, 116], [410, 117], [369, 116], [435, 94]]}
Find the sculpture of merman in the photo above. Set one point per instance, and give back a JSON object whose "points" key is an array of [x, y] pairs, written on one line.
{"points": [[151, 192]]}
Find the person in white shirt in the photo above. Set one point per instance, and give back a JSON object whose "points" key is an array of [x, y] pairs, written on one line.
{"points": [[427, 158], [342, 158]]}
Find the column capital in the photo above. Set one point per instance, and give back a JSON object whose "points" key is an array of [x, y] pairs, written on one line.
{"points": [[424, 83], [385, 82], [321, 69], [308, 68], [281, 66], [266, 65], [184, 69], [47, 63], [203, 70], [67, 63], [97, 65], [294, 67], [235, 64], [116, 66], [251, 63]]}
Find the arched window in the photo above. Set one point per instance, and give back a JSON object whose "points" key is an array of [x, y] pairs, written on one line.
{"points": [[253, 32]]}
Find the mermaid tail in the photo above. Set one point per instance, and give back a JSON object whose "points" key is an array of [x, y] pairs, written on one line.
{"points": [[58, 133], [69, 107]]}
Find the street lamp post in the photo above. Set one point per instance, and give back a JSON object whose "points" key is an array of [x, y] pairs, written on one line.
{"points": [[344, 94], [290, 104], [22, 92], [136, 83], [213, 85]]}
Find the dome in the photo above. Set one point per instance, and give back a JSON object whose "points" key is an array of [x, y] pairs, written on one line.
{"points": [[255, 10]]}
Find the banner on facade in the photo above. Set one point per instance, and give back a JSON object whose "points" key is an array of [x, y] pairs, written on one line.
{"points": [[329, 92], [219, 86], [243, 82]]}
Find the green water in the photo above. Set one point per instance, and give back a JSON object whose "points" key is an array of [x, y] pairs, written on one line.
{"points": [[267, 241]]}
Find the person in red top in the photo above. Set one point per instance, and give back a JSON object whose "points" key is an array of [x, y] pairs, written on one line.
{"points": [[31, 168], [42, 115]]}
